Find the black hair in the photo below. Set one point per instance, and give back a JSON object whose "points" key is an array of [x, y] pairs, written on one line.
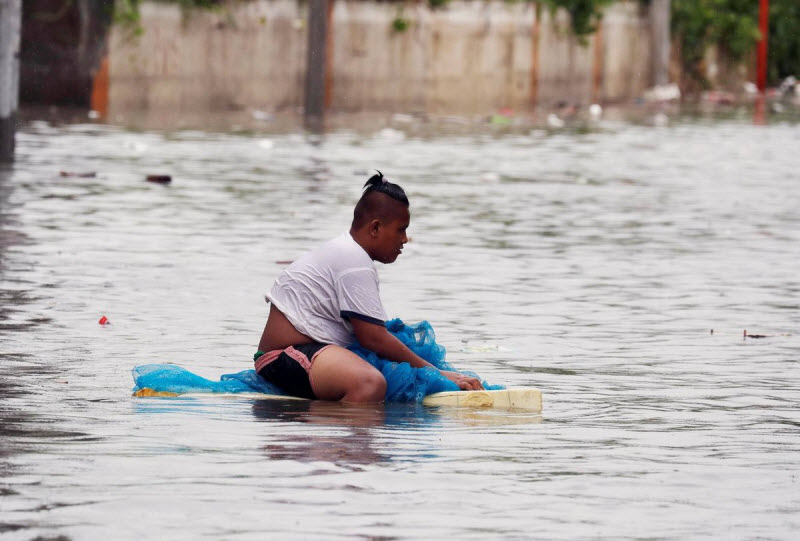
{"points": [[371, 205], [378, 183]]}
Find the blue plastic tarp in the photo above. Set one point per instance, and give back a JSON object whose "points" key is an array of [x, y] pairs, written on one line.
{"points": [[404, 382]]}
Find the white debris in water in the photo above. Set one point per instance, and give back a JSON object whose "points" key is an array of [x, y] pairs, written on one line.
{"points": [[490, 177], [266, 144], [137, 147], [388, 134], [750, 87], [595, 111], [401, 118], [554, 122], [261, 115], [660, 120], [669, 92]]}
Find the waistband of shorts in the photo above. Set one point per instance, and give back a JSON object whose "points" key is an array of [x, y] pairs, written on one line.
{"points": [[262, 359]]}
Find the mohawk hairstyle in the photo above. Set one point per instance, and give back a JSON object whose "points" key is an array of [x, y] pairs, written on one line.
{"points": [[377, 183], [372, 205]]}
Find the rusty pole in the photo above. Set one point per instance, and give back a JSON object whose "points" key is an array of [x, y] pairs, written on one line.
{"points": [[537, 14], [763, 25]]}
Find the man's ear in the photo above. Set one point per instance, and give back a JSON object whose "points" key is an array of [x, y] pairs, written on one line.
{"points": [[374, 227]]}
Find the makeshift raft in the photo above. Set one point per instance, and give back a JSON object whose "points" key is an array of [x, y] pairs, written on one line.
{"points": [[525, 398], [404, 382]]}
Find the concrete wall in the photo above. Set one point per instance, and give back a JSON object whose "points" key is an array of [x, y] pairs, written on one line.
{"points": [[468, 57], [251, 55]]}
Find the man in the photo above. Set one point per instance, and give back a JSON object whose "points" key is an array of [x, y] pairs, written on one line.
{"points": [[330, 297]]}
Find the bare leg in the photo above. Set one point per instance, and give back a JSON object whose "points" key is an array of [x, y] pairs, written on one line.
{"points": [[340, 374]]}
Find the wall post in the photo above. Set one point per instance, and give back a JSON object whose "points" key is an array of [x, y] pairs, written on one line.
{"points": [[316, 61], [10, 24], [660, 35]]}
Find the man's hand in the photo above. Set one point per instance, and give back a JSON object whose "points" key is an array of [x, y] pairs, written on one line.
{"points": [[376, 338], [467, 383]]}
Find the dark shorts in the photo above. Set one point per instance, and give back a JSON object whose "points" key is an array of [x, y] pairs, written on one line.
{"points": [[290, 368]]}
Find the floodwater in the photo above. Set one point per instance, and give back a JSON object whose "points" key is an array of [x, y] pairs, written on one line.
{"points": [[591, 263]]}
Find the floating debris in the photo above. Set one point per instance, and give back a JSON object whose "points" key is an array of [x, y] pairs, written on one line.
{"points": [[718, 97], [261, 115], [490, 177], [499, 120], [401, 118], [554, 122], [88, 174], [669, 92], [104, 321], [159, 179], [266, 144], [750, 88], [660, 120]]}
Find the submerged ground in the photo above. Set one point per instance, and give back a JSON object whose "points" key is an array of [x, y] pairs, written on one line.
{"points": [[592, 263]]}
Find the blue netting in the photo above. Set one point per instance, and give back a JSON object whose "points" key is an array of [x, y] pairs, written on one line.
{"points": [[404, 383]]}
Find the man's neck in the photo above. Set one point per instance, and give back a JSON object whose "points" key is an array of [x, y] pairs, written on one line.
{"points": [[360, 240]]}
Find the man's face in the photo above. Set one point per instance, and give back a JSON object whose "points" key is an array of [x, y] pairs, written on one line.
{"points": [[392, 236]]}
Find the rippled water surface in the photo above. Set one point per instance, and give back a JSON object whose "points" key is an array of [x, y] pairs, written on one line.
{"points": [[592, 265]]}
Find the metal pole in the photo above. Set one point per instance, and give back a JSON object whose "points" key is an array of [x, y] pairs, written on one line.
{"points": [[10, 22], [315, 64], [763, 26], [660, 22]]}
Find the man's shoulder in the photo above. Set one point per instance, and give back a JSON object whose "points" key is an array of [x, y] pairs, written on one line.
{"points": [[341, 256]]}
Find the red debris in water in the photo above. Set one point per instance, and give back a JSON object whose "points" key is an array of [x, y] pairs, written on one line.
{"points": [[103, 321]]}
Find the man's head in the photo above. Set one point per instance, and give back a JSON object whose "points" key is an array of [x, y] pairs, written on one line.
{"points": [[380, 219]]}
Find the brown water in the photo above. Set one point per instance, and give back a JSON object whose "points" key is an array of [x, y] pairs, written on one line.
{"points": [[592, 264]]}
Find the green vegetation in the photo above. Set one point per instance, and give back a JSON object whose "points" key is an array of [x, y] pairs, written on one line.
{"points": [[732, 25], [126, 12], [784, 39], [585, 14], [400, 23]]}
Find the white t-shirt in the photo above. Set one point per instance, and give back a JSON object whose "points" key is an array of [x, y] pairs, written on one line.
{"points": [[322, 290]]}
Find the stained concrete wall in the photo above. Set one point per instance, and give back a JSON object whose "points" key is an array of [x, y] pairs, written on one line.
{"points": [[470, 56]]}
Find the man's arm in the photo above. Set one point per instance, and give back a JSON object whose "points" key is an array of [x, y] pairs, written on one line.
{"points": [[376, 338]]}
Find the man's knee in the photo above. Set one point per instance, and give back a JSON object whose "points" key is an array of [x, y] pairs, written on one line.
{"points": [[370, 387], [375, 385]]}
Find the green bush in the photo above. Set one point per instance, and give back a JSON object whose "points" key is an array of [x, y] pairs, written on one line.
{"points": [[585, 14], [784, 39], [732, 25]]}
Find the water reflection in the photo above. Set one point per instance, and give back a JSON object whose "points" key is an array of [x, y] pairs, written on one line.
{"points": [[352, 443]]}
